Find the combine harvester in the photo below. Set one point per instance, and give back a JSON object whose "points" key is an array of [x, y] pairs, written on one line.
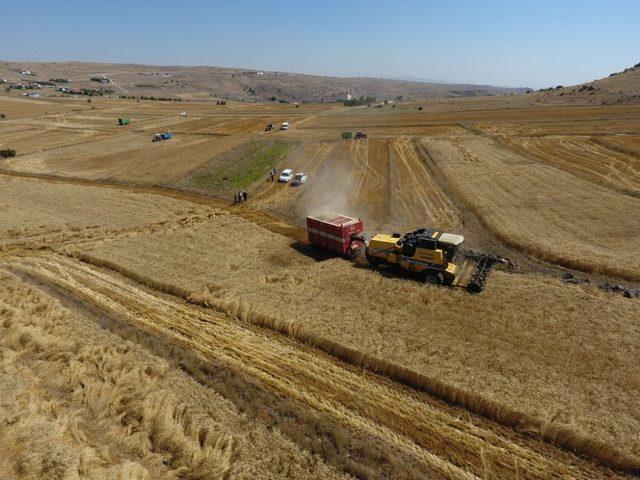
{"points": [[427, 254]]}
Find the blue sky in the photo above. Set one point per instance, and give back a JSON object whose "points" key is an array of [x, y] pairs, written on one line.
{"points": [[510, 43]]}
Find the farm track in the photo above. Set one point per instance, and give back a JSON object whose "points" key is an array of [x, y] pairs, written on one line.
{"points": [[447, 441]]}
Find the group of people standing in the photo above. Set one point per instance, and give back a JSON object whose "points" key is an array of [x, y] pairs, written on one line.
{"points": [[240, 197]]}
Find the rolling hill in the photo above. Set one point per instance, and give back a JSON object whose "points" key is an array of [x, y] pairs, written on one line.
{"points": [[192, 83], [618, 88]]}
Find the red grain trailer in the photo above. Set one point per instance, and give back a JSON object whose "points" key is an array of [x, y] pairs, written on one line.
{"points": [[337, 233]]}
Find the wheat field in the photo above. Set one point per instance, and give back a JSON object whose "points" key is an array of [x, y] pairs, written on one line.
{"points": [[469, 343], [80, 402], [584, 157], [151, 329], [542, 210]]}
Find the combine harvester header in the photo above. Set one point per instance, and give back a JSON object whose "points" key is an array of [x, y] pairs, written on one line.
{"points": [[427, 254]]}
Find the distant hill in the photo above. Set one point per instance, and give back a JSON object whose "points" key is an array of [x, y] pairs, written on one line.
{"points": [[235, 84], [618, 88]]}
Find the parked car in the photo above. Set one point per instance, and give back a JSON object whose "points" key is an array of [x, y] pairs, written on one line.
{"points": [[284, 126], [299, 179], [286, 175]]}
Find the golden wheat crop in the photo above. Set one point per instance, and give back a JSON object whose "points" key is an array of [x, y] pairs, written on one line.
{"points": [[541, 210], [78, 402], [467, 349]]}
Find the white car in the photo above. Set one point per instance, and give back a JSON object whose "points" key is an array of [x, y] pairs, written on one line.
{"points": [[286, 175], [299, 179], [284, 126]]}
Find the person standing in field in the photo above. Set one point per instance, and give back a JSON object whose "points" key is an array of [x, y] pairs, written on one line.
{"points": [[235, 198], [244, 195]]}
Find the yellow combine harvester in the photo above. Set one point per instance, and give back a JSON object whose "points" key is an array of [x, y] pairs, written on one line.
{"points": [[428, 253]]}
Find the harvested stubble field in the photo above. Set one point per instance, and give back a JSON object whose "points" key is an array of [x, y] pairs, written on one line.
{"points": [[629, 144], [586, 158], [541, 210], [382, 180], [37, 211]]}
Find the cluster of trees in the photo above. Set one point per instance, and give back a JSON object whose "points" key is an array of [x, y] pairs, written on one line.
{"points": [[630, 69], [361, 100], [550, 89], [90, 92], [143, 97], [59, 80], [7, 152]]}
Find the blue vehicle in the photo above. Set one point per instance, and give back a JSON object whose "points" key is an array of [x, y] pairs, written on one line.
{"points": [[158, 137]]}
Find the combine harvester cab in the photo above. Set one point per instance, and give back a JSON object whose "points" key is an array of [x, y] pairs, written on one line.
{"points": [[427, 253], [336, 233]]}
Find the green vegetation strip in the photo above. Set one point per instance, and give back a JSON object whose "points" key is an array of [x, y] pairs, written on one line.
{"points": [[240, 169]]}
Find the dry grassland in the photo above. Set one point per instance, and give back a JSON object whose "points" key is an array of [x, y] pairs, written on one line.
{"points": [[529, 351], [81, 403], [541, 210]]}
